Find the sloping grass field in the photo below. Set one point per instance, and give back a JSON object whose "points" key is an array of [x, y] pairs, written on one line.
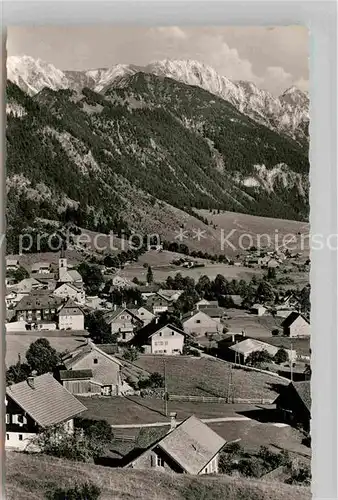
{"points": [[204, 376], [31, 477]]}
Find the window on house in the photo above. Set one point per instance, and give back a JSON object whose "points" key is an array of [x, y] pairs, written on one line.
{"points": [[7, 437], [159, 461], [95, 361], [124, 336], [20, 437], [8, 418], [165, 350], [166, 342], [198, 321], [160, 334]]}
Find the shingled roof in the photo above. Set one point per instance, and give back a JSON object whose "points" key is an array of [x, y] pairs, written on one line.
{"points": [[303, 390], [46, 401], [292, 318], [192, 445]]}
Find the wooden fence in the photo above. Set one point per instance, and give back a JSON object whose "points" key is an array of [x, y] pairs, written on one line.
{"points": [[215, 399]]}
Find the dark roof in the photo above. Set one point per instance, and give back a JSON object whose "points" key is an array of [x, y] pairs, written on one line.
{"points": [[111, 315], [292, 318], [48, 403], [75, 374], [109, 348], [70, 308], [192, 444], [142, 335], [303, 389], [38, 299], [213, 312], [149, 288]]}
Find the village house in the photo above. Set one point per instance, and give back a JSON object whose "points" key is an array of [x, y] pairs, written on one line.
{"points": [[123, 322], [156, 338], [258, 309], [190, 447], [41, 268], [158, 304], [118, 282], [106, 375], [206, 303], [171, 295], [70, 291], [28, 284], [71, 316], [12, 298], [296, 326], [37, 306], [198, 323], [294, 404], [148, 290], [12, 264], [241, 350], [36, 404], [144, 314]]}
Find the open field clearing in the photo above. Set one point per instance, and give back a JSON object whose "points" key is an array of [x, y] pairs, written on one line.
{"points": [[252, 325], [30, 477], [161, 272], [302, 346], [210, 377], [253, 225], [133, 410], [18, 344]]}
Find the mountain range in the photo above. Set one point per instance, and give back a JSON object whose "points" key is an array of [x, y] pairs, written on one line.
{"points": [[287, 114], [145, 148]]}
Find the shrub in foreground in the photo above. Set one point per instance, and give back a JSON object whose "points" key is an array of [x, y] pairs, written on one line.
{"points": [[85, 491]]}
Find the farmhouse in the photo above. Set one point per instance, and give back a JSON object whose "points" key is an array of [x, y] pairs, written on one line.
{"points": [[199, 323], [12, 264], [158, 338], [41, 268], [241, 350], [70, 291], [170, 295], [38, 305], [190, 447], [206, 303], [71, 316], [124, 323], [258, 309], [158, 304], [35, 404], [294, 404], [296, 325], [106, 377], [28, 284], [148, 290], [144, 314]]}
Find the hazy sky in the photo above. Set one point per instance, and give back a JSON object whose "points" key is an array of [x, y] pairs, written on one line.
{"points": [[273, 58]]}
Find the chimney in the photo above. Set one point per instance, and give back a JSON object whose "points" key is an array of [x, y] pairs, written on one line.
{"points": [[31, 379], [173, 422], [114, 307], [124, 304], [156, 320]]}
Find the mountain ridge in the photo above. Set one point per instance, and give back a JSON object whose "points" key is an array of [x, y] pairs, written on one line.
{"points": [[287, 114]]}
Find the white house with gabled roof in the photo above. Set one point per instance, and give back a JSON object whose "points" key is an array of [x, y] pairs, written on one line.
{"points": [[36, 404]]}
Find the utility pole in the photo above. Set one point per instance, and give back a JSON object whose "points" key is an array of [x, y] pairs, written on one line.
{"points": [[291, 364], [165, 390], [229, 382]]}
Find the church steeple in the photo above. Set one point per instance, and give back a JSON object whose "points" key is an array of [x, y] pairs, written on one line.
{"points": [[62, 263]]}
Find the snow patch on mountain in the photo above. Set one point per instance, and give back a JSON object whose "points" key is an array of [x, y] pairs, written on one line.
{"points": [[32, 75]]}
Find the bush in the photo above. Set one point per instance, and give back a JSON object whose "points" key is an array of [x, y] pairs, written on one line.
{"points": [[275, 332], [281, 356], [85, 491], [131, 354]]}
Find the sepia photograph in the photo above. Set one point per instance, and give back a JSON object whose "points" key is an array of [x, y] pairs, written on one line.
{"points": [[158, 263]]}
